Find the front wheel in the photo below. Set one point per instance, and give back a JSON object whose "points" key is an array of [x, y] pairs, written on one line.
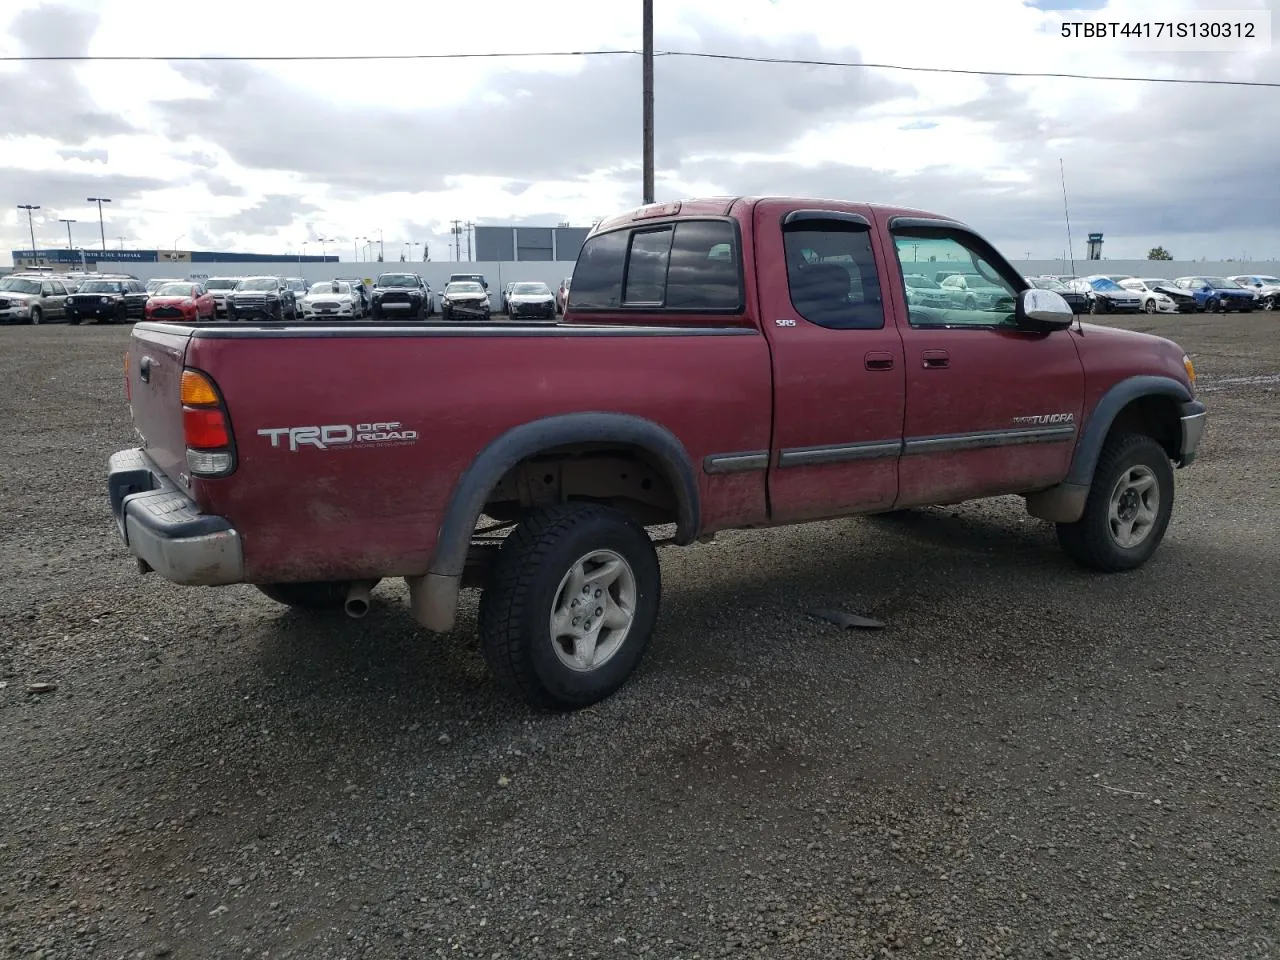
{"points": [[1150, 306], [36, 316], [1128, 507], [572, 603]]}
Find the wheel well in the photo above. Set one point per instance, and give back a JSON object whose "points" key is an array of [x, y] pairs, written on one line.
{"points": [[623, 476], [1155, 416]]}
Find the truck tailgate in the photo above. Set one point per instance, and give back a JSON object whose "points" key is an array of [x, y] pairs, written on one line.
{"points": [[156, 355]]}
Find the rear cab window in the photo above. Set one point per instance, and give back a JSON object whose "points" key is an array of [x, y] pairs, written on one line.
{"points": [[689, 266]]}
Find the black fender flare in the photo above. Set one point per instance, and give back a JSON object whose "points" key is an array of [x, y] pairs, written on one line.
{"points": [[529, 439], [1119, 396]]}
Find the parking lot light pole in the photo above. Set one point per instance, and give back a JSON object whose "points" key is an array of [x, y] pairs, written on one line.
{"points": [[382, 252], [647, 100], [30, 207], [101, 229], [68, 223]]}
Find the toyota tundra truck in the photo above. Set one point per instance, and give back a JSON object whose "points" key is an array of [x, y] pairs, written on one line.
{"points": [[724, 363]]}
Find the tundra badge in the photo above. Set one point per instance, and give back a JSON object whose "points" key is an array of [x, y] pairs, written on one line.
{"points": [[1047, 418]]}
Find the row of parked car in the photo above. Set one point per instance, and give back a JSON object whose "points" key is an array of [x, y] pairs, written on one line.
{"points": [[120, 298], [35, 298], [1122, 293]]}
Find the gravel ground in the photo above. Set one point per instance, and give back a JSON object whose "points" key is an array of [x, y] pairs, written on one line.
{"points": [[1030, 761]]}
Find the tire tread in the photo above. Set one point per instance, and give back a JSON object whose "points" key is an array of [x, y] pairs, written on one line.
{"points": [[504, 605], [1086, 540]]}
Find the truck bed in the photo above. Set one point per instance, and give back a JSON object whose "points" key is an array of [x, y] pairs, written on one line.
{"points": [[437, 397]]}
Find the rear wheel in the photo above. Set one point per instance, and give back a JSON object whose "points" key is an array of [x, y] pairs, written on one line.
{"points": [[1270, 302], [1211, 305], [313, 595], [1128, 507], [571, 606]]}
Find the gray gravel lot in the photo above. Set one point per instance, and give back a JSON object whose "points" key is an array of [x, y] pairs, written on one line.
{"points": [[1030, 761]]}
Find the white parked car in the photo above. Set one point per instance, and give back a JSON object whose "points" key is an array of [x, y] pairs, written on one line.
{"points": [[1154, 300], [1267, 289], [331, 298]]}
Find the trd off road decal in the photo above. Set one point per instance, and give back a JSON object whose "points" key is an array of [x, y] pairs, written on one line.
{"points": [[390, 433]]}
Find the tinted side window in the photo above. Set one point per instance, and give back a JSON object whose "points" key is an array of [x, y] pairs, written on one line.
{"points": [[703, 273], [831, 274], [597, 276]]}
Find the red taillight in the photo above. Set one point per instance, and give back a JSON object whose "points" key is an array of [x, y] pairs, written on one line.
{"points": [[205, 429]]}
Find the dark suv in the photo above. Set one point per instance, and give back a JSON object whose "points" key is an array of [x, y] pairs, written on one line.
{"points": [[401, 296], [268, 298], [108, 300]]}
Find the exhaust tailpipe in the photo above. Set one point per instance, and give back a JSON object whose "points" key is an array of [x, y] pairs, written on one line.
{"points": [[357, 603]]}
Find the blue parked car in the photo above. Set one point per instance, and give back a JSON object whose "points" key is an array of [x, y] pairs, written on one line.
{"points": [[1218, 293]]}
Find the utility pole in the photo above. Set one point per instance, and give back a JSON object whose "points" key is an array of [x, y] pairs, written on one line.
{"points": [[469, 226], [426, 251], [647, 84], [456, 244], [68, 223], [381, 249], [29, 207], [101, 229]]}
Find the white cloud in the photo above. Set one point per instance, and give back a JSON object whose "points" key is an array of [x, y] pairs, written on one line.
{"points": [[263, 156]]}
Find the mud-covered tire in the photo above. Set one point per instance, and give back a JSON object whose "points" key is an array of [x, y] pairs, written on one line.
{"points": [[533, 578], [318, 595], [1126, 462]]}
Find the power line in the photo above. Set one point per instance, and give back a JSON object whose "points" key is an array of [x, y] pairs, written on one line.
{"points": [[973, 73], [738, 58], [303, 57]]}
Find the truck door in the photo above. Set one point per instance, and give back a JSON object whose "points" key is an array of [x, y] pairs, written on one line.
{"points": [[990, 409], [839, 386]]}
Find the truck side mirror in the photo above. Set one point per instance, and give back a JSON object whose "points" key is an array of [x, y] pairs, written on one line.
{"points": [[1043, 311]]}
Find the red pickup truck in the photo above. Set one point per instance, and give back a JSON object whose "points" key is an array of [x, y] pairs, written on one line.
{"points": [[723, 363]]}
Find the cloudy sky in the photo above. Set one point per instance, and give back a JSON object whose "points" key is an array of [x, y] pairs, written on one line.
{"points": [[261, 156]]}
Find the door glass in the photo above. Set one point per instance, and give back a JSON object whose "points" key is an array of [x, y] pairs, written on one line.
{"points": [[972, 292], [831, 274]]}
